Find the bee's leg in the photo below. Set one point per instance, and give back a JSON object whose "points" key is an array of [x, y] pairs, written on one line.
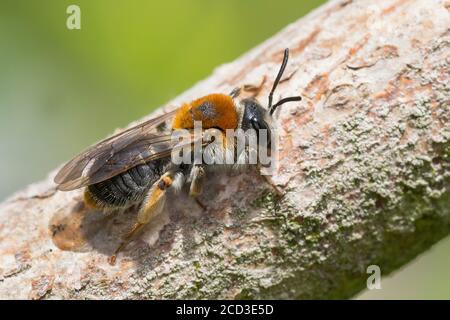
{"points": [[235, 92], [248, 88], [151, 206], [197, 180], [272, 184]]}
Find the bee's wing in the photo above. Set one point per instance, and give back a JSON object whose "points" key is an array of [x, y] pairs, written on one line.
{"points": [[116, 154]]}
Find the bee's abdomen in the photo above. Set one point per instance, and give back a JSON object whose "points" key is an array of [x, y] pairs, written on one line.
{"points": [[128, 187]]}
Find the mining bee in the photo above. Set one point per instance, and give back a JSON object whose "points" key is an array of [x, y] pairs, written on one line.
{"points": [[135, 167]]}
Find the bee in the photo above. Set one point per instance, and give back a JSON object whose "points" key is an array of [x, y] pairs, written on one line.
{"points": [[134, 167]]}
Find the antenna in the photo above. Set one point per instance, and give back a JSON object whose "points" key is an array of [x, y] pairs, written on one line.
{"points": [[275, 84]]}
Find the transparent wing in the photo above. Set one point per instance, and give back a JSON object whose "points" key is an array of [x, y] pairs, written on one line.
{"points": [[116, 154]]}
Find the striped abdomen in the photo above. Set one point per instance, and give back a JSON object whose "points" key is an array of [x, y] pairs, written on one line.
{"points": [[129, 187]]}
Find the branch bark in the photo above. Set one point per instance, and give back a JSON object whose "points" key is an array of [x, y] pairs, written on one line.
{"points": [[364, 164]]}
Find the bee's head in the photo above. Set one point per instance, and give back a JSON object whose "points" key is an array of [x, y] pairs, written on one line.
{"points": [[255, 115]]}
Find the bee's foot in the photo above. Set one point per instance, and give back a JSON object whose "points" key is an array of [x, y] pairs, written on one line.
{"points": [[201, 204], [278, 192], [112, 260]]}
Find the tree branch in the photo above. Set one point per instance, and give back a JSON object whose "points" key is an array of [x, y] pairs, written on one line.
{"points": [[364, 164]]}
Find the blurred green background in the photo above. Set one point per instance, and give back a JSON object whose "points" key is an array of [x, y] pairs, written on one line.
{"points": [[61, 90]]}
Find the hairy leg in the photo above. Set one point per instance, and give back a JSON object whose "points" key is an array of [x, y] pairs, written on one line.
{"points": [[197, 180], [152, 206]]}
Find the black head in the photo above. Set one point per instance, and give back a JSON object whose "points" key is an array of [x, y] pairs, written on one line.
{"points": [[257, 117]]}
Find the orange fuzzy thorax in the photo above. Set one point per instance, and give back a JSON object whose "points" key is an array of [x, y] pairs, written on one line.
{"points": [[213, 110]]}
